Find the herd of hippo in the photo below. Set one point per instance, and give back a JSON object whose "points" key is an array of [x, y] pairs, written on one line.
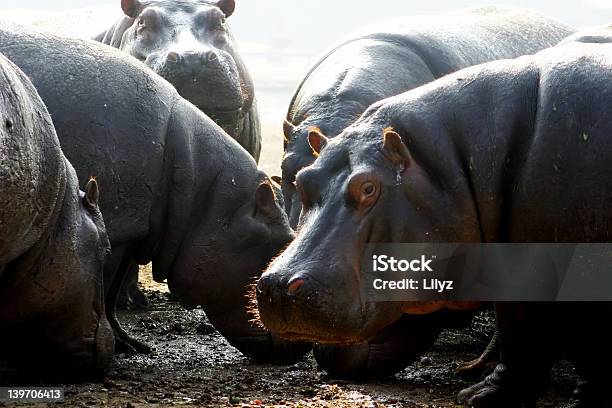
{"points": [[484, 125]]}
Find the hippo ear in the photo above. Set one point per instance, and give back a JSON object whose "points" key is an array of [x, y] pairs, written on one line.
{"points": [[317, 141], [92, 193], [227, 6], [288, 129], [395, 150], [265, 200], [131, 8]]}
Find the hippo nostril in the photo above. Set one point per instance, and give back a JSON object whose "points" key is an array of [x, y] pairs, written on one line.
{"points": [[173, 57], [294, 285]]}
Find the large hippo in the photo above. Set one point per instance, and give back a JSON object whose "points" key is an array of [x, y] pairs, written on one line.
{"points": [[387, 59], [463, 159], [52, 244], [189, 43], [178, 191], [396, 56]]}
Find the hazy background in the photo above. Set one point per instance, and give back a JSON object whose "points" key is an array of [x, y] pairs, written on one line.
{"points": [[280, 39]]}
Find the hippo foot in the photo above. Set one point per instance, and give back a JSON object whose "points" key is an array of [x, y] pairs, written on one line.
{"points": [[497, 390], [131, 345], [124, 343], [476, 368]]}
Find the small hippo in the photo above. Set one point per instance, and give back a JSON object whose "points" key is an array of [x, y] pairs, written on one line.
{"points": [[52, 244], [189, 43], [387, 59], [178, 191], [463, 159]]}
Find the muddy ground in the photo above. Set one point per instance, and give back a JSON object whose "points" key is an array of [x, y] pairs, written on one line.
{"points": [[192, 365]]}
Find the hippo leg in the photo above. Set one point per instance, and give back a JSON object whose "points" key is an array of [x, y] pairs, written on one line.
{"points": [[388, 353], [527, 350], [130, 295], [123, 341], [484, 364]]}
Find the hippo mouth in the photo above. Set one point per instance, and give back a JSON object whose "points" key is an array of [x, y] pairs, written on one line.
{"points": [[316, 338]]}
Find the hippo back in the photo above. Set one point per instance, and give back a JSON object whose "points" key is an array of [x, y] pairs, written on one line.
{"points": [[435, 45], [116, 116], [32, 169]]}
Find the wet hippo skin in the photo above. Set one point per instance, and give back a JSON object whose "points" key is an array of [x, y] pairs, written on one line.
{"points": [[177, 191], [53, 244], [466, 158]]}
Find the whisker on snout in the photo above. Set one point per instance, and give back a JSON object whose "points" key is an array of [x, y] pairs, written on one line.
{"points": [[252, 307]]}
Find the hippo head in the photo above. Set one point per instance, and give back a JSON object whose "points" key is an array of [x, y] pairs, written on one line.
{"points": [[93, 230], [224, 255], [188, 43], [298, 154], [365, 187]]}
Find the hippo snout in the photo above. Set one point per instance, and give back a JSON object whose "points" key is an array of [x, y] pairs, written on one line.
{"points": [[207, 77], [298, 307], [270, 288], [192, 59]]}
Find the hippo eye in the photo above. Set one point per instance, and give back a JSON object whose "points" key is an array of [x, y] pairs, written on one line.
{"points": [[368, 189], [362, 191], [219, 24]]}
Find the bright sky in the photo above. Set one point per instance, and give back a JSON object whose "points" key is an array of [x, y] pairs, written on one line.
{"points": [[280, 39], [314, 24]]}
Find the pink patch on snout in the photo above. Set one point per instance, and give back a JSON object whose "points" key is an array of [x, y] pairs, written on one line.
{"points": [[294, 286]]}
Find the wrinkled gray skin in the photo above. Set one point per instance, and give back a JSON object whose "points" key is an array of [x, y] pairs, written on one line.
{"points": [[177, 190], [189, 43], [468, 161], [595, 35], [395, 56], [52, 245], [387, 59]]}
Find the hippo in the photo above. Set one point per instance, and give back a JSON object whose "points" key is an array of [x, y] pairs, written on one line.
{"points": [[395, 56], [189, 43], [53, 243], [387, 59], [462, 159], [178, 191]]}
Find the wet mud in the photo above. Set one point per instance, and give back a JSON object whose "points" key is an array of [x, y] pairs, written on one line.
{"points": [[193, 366]]}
